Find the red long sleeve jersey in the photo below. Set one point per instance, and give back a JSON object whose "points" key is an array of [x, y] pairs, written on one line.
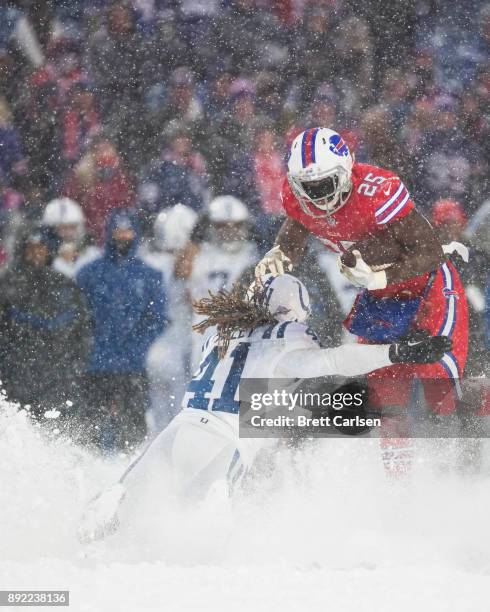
{"points": [[378, 198]]}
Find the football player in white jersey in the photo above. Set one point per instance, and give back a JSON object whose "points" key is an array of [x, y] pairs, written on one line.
{"points": [[261, 333], [66, 220], [169, 356], [223, 252]]}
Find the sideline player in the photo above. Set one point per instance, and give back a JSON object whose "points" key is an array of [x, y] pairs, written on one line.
{"points": [[168, 357], [261, 333], [219, 251], [362, 211]]}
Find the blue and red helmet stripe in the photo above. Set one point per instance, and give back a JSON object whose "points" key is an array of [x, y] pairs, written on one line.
{"points": [[308, 147]]}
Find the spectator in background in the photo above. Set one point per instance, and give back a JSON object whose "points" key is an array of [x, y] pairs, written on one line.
{"points": [[394, 94], [354, 72], [217, 101], [99, 184], [245, 38], [269, 171], [65, 65], [127, 301], [312, 43], [44, 331], [40, 109], [232, 166], [269, 86], [168, 50], [323, 108], [417, 123], [380, 144], [13, 163], [450, 164], [179, 175], [392, 26], [116, 58], [181, 105], [422, 78], [195, 21], [80, 122], [11, 203]]}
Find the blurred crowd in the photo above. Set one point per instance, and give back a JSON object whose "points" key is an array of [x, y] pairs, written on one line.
{"points": [[142, 151]]}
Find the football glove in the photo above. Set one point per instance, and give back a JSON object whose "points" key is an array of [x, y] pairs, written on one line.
{"points": [[274, 261], [459, 248], [420, 348]]}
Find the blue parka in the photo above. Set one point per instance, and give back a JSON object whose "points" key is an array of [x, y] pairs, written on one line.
{"points": [[127, 301]]}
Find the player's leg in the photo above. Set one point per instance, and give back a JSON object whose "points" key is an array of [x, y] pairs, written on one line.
{"points": [[181, 464], [444, 312], [389, 396]]}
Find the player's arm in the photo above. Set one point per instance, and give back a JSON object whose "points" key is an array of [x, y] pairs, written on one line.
{"points": [[184, 261], [420, 249], [410, 239], [291, 239], [288, 249], [359, 359]]}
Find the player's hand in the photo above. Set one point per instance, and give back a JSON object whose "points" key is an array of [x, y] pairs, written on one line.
{"points": [[363, 275], [420, 348], [458, 248], [274, 261]]}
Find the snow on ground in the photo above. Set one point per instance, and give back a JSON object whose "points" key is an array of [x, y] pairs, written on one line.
{"points": [[327, 532]]}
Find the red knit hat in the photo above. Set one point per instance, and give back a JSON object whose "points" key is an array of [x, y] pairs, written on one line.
{"points": [[448, 210]]}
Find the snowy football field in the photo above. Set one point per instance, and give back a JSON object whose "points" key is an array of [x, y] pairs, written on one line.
{"points": [[327, 532]]}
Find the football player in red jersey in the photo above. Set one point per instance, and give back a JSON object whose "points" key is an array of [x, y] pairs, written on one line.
{"points": [[385, 246]]}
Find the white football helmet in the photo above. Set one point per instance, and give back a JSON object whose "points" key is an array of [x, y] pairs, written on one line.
{"points": [[320, 171], [285, 296], [227, 209], [228, 217], [173, 227], [66, 218], [62, 211]]}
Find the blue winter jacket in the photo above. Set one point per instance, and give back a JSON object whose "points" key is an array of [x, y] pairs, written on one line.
{"points": [[127, 301]]}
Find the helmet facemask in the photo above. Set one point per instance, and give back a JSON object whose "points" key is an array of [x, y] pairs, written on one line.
{"points": [[322, 195]]}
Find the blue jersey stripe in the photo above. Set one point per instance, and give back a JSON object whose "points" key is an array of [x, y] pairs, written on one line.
{"points": [[268, 332], [282, 329]]}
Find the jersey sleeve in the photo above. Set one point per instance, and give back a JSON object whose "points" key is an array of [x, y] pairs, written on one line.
{"points": [[393, 202], [346, 360]]}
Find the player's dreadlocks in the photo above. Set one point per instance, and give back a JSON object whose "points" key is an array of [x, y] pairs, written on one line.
{"points": [[231, 311]]}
